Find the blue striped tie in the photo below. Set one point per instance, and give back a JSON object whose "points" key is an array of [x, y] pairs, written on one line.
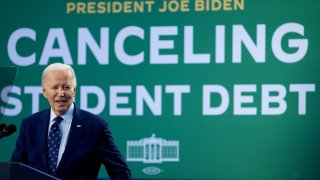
{"points": [[54, 144]]}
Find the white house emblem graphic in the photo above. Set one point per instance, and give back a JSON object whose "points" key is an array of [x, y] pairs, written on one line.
{"points": [[153, 150]]}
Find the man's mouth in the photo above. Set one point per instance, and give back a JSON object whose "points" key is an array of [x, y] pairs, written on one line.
{"points": [[61, 101]]}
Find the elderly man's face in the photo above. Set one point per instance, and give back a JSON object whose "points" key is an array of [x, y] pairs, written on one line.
{"points": [[59, 89]]}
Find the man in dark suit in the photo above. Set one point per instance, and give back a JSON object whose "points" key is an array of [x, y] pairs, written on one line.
{"points": [[65, 141]]}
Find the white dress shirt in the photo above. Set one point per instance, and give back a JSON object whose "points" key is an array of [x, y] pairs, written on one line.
{"points": [[64, 127]]}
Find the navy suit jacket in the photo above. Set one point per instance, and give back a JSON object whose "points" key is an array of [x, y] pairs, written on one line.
{"points": [[89, 145]]}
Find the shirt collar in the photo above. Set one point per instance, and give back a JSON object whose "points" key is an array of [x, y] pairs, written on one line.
{"points": [[67, 116]]}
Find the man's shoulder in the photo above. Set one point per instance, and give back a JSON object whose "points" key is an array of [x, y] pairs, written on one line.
{"points": [[90, 117], [37, 115]]}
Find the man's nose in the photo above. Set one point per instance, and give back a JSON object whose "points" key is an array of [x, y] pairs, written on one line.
{"points": [[61, 92]]}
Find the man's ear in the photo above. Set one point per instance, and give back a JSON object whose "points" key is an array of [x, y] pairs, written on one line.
{"points": [[44, 92]]}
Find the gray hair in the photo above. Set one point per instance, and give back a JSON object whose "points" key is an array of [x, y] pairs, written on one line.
{"points": [[59, 66]]}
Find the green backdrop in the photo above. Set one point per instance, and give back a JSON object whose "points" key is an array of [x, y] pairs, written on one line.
{"points": [[229, 88]]}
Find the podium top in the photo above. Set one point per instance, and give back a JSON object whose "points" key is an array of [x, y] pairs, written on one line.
{"points": [[18, 171]]}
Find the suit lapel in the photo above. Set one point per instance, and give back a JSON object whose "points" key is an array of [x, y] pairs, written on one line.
{"points": [[75, 132], [43, 134]]}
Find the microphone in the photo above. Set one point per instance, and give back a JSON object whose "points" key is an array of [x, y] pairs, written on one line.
{"points": [[7, 131], [2, 126]]}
